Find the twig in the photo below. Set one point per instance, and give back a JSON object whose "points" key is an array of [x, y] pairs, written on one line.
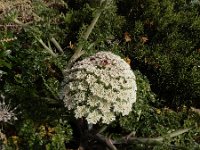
{"points": [[125, 140], [154, 140], [195, 110], [130, 135], [110, 143], [57, 45], [50, 51], [18, 22], [177, 133], [49, 44], [105, 140], [40, 40], [21, 23]]}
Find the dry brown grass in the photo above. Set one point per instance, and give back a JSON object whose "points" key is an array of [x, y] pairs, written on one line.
{"points": [[23, 9]]}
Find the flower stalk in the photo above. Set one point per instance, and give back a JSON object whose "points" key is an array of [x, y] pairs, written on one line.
{"points": [[79, 52]]}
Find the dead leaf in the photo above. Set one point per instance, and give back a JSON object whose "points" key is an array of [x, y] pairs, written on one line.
{"points": [[50, 130], [71, 46], [127, 37], [3, 138], [127, 60], [144, 39]]}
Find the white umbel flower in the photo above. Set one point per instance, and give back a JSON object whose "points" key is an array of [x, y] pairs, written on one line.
{"points": [[100, 87]]}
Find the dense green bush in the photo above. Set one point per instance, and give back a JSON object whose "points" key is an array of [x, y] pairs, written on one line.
{"points": [[163, 44]]}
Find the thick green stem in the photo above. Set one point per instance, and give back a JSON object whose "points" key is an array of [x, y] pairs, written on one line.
{"points": [[91, 26], [79, 51], [57, 45], [50, 51], [126, 140], [157, 139]]}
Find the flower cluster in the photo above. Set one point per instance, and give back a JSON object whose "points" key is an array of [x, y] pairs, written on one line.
{"points": [[6, 113], [100, 87]]}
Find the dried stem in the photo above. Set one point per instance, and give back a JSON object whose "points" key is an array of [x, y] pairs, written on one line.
{"points": [[21, 23]]}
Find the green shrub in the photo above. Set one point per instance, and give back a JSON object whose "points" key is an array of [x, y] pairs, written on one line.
{"points": [[165, 46], [34, 70]]}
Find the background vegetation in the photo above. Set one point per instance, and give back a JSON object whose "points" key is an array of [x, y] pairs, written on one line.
{"points": [[159, 38]]}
